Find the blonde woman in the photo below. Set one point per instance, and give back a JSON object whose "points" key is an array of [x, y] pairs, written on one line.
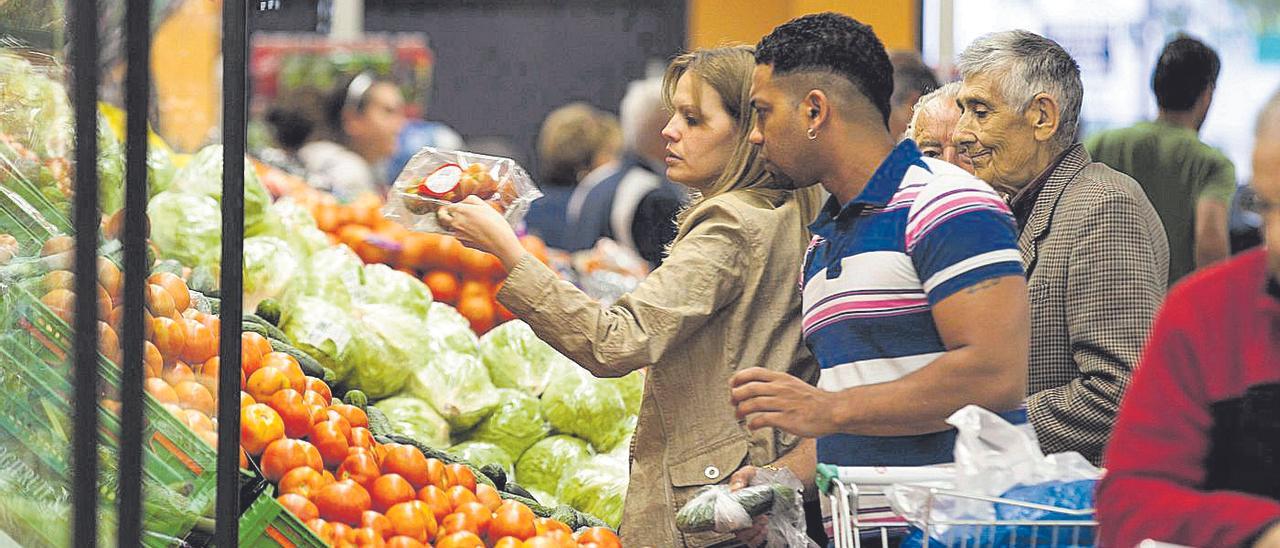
{"points": [[725, 299]]}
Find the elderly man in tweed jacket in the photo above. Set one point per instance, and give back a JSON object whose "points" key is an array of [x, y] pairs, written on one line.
{"points": [[1096, 255]]}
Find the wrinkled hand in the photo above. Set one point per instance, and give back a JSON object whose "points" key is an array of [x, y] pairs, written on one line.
{"points": [[1270, 538], [477, 225], [778, 400], [755, 535]]}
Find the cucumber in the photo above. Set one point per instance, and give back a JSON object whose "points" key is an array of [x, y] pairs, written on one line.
{"points": [[215, 305], [497, 474], [538, 509], [204, 280], [275, 332], [251, 327], [515, 489], [168, 265], [699, 514], [310, 366], [269, 310], [200, 302], [378, 423], [356, 398], [330, 378]]}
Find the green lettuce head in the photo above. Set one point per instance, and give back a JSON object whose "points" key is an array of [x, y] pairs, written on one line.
{"points": [[415, 418], [384, 285], [186, 228], [590, 408], [450, 330], [518, 359], [394, 348], [269, 266], [294, 224], [334, 274], [203, 175], [597, 486], [480, 453], [545, 462], [515, 425], [457, 385], [326, 332]]}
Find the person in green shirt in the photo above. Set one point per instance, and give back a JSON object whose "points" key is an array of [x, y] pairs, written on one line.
{"points": [[1189, 183]]}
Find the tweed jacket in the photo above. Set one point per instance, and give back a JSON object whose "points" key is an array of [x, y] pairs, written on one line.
{"points": [[1097, 265]]}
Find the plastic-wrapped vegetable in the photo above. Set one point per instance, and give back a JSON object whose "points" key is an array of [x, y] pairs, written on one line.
{"points": [[110, 169], [334, 274], [480, 453], [597, 486], [631, 386], [394, 347], [451, 331], [416, 419], [542, 466], [34, 107], [775, 493], [515, 425], [518, 359], [269, 267], [294, 224], [457, 385], [203, 175], [187, 228], [324, 331], [544, 498], [590, 408], [383, 285]]}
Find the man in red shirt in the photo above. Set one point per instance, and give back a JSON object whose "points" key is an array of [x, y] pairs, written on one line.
{"points": [[1195, 456]]}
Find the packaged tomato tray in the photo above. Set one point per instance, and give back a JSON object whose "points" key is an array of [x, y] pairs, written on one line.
{"points": [[434, 178]]}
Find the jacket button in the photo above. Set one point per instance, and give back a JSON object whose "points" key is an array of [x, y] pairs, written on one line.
{"points": [[711, 472]]}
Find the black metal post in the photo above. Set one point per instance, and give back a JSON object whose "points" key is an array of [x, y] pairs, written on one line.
{"points": [[235, 53], [137, 94], [84, 442]]}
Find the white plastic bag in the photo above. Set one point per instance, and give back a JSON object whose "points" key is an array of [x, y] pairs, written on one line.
{"points": [[434, 178], [773, 494], [786, 526], [991, 456]]}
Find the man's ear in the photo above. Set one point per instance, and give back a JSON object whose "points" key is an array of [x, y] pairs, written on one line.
{"points": [[1044, 117], [816, 108]]}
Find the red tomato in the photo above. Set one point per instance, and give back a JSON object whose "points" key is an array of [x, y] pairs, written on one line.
{"points": [[330, 415], [545, 525], [368, 537], [299, 506], [360, 468], [376, 521], [252, 348], [344, 501], [362, 437], [513, 519], [508, 542], [283, 455], [409, 462], [303, 481], [462, 475], [436, 500], [389, 490], [438, 475], [412, 520], [265, 382], [354, 415], [202, 342], [601, 536], [402, 541], [462, 539], [330, 441], [259, 426], [459, 495], [478, 517], [319, 387], [295, 413], [488, 496]]}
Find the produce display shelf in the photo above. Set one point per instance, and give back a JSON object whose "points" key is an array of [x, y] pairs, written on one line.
{"points": [[267, 524]]}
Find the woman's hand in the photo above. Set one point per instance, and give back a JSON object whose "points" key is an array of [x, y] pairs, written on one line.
{"points": [[479, 226]]}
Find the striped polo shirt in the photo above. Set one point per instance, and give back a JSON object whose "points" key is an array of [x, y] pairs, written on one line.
{"points": [[920, 231]]}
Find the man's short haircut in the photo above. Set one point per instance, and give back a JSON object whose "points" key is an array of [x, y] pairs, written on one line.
{"points": [[1185, 69], [1269, 117], [1025, 64], [834, 44], [910, 77]]}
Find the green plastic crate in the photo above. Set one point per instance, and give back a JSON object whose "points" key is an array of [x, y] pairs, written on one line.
{"points": [[267, 524]]}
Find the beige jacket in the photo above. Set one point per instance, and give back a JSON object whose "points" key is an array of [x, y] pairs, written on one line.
{"points": [[725, 299]]}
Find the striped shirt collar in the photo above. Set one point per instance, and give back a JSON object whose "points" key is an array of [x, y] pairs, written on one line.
{"points": [[877, 193]]}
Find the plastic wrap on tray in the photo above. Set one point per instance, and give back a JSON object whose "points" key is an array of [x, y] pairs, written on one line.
{"points": [[435, 178]]}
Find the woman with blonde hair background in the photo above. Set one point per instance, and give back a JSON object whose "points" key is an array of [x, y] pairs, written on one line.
{"points": [[726, 298]]}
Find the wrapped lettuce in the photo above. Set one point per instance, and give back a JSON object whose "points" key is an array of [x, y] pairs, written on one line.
{"points": [[415, 418], [480, 453], [326, 332], [590, 408], [269, 267], [597, 486], [393, 349], [334, 274], [186, 228], [457, 385], [384, 285], [34, 107], [110, 169], [294, 224], [544, 498], [450, 331], [518, 359], [631, 386], [542, 466], [515, 425], [203, 175]]}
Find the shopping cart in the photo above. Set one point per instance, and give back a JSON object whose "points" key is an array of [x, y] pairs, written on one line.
{"points": [[847, 488]]}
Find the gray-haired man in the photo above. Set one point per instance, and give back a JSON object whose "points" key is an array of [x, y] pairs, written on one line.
{"points": [[1096, 254]]}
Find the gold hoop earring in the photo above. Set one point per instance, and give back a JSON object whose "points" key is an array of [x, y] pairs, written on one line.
{"points": [[813, 134]]}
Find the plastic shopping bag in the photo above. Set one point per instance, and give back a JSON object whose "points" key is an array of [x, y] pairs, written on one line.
{"points": [[434, 178], [775, 494]]}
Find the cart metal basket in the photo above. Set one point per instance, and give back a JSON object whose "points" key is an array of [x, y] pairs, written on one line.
{"points": [[850, 531]]}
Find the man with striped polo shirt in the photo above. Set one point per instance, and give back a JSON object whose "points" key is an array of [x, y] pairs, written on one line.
{"points": [[914, 298]]}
